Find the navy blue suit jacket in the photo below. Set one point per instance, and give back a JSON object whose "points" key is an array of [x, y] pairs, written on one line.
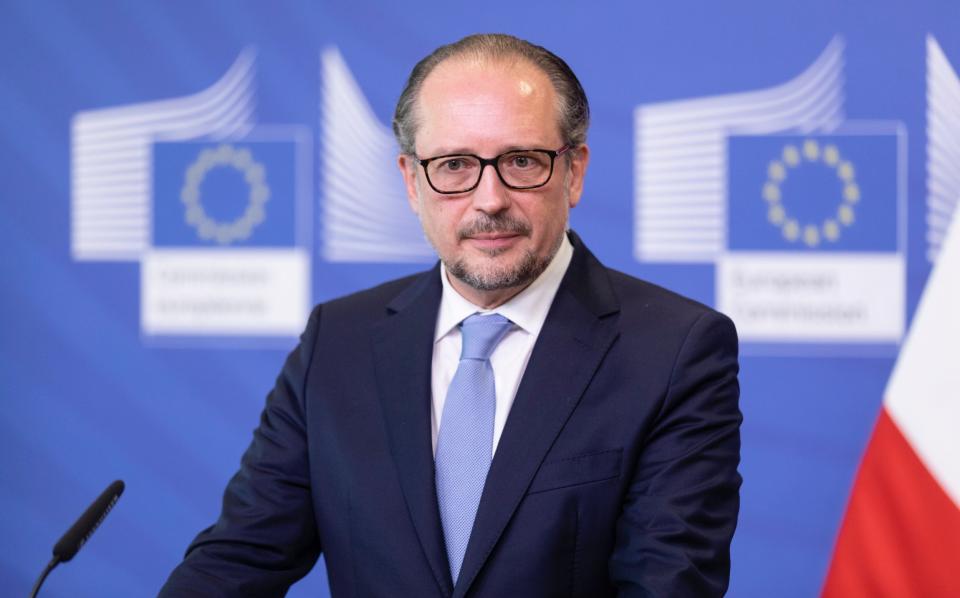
{"points": [[616, 471]]}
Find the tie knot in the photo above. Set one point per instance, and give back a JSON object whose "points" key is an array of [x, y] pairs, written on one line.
{"points": [[481, 335]]}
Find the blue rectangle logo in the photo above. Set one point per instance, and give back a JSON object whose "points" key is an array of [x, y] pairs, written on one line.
{"points": [[224, 194], [812, 193]]}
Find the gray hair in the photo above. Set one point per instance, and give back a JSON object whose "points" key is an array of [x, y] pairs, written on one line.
{"points": [[572, 107]]}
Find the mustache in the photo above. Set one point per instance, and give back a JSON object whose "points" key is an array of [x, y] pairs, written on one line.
{"points": [[497, 224]]}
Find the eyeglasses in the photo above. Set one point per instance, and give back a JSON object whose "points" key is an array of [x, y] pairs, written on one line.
{"points": [[517, 169]]}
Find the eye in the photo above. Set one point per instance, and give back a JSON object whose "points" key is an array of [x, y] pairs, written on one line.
{"points": [[524, 161], [453, 164]]}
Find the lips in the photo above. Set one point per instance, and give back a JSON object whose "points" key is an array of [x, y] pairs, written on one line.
{"points": [[493, 236], [493, 240]]}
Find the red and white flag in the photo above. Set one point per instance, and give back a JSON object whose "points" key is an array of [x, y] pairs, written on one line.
{"points": [[901, 533]]}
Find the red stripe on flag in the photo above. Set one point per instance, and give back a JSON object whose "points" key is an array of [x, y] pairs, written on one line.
{"points": [[901, 533]]}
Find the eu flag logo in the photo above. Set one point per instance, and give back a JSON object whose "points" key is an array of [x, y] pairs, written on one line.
{"points": [[813, 193], [215, 194]]}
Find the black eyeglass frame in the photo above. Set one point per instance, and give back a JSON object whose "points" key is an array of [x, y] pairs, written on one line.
{"points": [[484, 162]]}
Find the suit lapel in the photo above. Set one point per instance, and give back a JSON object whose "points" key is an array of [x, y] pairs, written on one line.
{"points": [[403, 350], [575, 337]]}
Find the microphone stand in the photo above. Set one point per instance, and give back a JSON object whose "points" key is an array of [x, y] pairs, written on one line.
{"points": [[43, 576]]}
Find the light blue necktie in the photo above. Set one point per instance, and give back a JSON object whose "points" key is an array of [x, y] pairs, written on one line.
{"points": [[465, 441]]}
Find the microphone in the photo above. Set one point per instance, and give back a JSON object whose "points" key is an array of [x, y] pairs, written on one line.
{"points": [[80, 532]]}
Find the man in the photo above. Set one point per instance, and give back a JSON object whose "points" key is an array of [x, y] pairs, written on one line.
{"points": [[517, 421]]}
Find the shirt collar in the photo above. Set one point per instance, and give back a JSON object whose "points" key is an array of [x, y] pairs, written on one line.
{"points": [[528, 309]]}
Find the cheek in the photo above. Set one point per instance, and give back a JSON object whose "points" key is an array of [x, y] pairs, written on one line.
{"points": [[440, 222], [551, 219]]}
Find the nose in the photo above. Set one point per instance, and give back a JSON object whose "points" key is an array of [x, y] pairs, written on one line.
{"points": [[491, 195]]}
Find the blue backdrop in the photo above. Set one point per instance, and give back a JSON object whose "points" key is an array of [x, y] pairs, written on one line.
{"points": [[109, 369]]}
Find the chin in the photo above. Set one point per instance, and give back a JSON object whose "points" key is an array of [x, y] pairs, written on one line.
{"points": [[492, 277]]}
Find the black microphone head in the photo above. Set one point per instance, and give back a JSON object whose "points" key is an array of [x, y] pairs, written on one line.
{"points": [[81, 531]]}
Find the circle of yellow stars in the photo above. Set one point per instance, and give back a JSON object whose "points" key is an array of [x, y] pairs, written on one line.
{"points": [[225, 155], [810, 234]]}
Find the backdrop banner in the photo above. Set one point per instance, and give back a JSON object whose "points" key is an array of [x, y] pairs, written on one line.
{"points": [[182, 181]]}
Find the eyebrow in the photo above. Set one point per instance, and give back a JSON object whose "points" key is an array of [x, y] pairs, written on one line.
{"points": [[464, 151]]}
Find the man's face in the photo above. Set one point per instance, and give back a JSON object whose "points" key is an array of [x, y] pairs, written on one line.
{"points": [[493, 240]]}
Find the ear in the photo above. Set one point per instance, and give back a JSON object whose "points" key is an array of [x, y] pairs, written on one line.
{"points": [[578, 161], [408, 168]]}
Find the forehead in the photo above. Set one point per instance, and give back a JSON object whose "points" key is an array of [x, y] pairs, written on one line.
{"points": [[486, 106]]}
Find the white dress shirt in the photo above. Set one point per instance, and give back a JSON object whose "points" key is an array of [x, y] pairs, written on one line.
{"points": [[527, 310]]}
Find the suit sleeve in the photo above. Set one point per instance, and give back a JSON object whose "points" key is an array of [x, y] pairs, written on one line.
{"points": [[266, 537], [680, 510]]}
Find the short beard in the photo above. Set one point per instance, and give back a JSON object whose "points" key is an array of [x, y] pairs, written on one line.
{"points": [[495, 278]]}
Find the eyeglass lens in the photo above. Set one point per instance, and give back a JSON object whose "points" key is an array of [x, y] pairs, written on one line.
{"points": [[527, 168]]}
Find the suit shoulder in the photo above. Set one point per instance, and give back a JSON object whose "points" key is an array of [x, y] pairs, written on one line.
{"points": [[646, 300], [633, 290], [677, 326], [370, 302]]}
